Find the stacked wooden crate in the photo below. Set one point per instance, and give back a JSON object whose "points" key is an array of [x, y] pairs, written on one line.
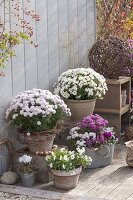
{"points": [[111, 107]]}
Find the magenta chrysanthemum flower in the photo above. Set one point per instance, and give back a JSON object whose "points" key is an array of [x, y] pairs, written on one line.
{"points": [[93, 132], [94, 122], [108, 134]]}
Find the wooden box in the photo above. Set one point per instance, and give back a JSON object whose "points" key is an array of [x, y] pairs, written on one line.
{"points": [[112, 98], [111, 106]]}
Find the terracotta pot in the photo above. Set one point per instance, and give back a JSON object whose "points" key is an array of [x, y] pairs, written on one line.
{"points": [[40, 142], [80, 109], [66, 180], [101, 156]]}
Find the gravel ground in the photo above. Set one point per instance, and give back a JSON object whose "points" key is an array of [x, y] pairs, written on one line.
{"points": [[7, 196]]}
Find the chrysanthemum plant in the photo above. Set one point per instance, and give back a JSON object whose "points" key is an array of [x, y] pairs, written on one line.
{"points": [[62, 159], [26, 166], [37, 110], [93, 132], [81, 84]]}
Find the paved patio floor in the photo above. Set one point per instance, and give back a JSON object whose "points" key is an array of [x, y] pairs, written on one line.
{"points": [[114, 182]]}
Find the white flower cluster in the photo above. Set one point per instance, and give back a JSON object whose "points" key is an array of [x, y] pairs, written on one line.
{"points": [[80, 82], [80, 137], [80, 150], [70, 156], [109, 129], [62, 159], [25, 159], [36, 101], [74, 133]]}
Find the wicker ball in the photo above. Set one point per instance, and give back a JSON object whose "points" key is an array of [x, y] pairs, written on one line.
{"points": [[129, 133], [110, 57]]}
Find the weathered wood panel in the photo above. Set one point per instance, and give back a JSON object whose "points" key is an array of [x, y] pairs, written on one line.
{"points": [[42, 40], [31, 57], [82, 31], [64, 33], [53, 41]]}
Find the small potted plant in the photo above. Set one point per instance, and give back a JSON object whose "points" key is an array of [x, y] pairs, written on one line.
{"points": [[27, 171], [98, 139], [66, 166], [80, 88], [38, 113]]}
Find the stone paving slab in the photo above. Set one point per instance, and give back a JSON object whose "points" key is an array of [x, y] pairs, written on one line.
{"points": [[8, 192]]}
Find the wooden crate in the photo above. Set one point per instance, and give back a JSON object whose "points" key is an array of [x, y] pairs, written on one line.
{"points": [[111, 106], [112, 99]]}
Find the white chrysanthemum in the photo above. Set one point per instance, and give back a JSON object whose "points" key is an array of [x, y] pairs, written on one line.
{"points": [[14, 116], [92, 134], [62, 149], [74, 129], [36, 102], [25, 159], [20, 160], [51, 165], [85, 135], [80, 143], [66, 158], [38, 123], [75, 135], [63, 166], [27, 103], [80, 150], [60, 158], [28, 134], [80, 82], [72, 156]]}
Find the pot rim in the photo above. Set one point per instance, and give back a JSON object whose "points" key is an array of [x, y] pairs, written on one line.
{"points": [[55, 130], [65, 173], [96, 148], [39, 137], [31, 174], [79, 101]]}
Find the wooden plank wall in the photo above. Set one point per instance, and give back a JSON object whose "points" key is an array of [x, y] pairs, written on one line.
{"points": [[65, 32]]}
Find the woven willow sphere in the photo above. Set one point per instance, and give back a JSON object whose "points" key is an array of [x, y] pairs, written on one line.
{"points": [[110, 57]]}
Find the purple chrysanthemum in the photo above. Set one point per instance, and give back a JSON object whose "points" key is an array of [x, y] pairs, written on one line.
{"points": [[107, 134], [94, 122]]}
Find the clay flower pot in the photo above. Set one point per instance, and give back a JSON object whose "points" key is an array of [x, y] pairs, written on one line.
{"points": [[81, 108], [66, 180], [40, 142]]}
